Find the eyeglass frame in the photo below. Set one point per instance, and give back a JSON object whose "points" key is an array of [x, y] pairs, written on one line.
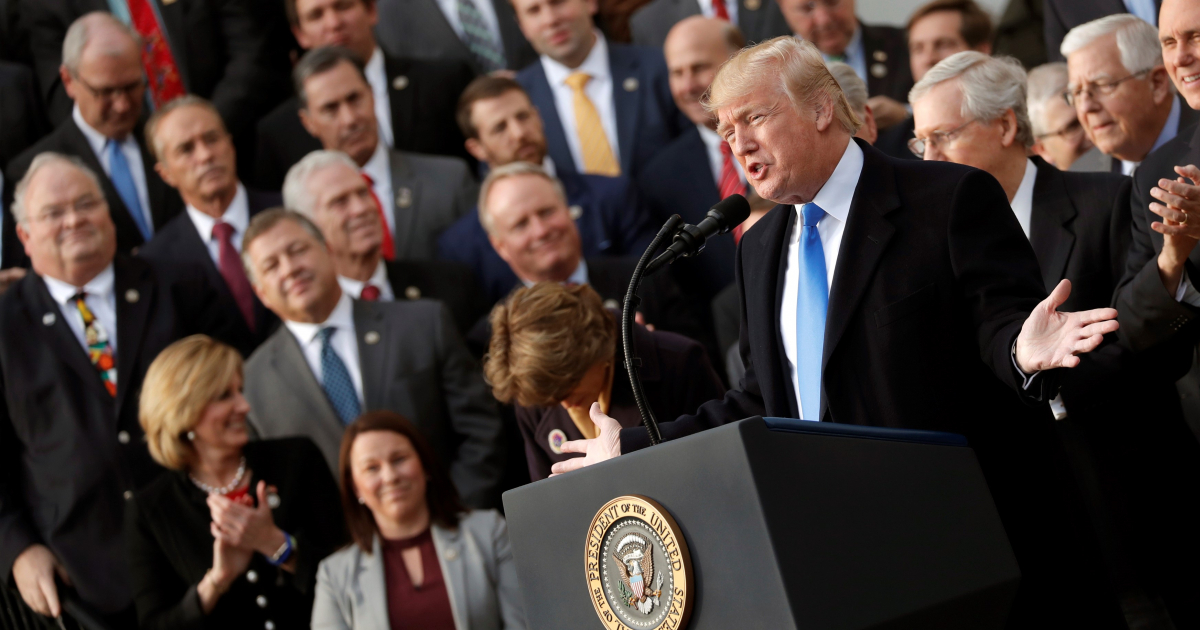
{"points": [[86, 204], [108, 94], [944, 136], [1061, 133], [1101, 89]]}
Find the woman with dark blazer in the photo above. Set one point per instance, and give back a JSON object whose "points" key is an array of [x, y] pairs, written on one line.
{"points": [[231, 538], [555, 350]]}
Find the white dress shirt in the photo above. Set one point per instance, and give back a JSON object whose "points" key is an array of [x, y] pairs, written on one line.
{"points": [[834, 198], [716, 159], [133, 156], [731, 6], [1170, 130], [599, 89], [378, 279], [377, 79], [1144, 9], [854, 56], [344, 342], [379, 168], [236, 215], [1022, 203], [101, 299], [579, 276], [486, 10]]}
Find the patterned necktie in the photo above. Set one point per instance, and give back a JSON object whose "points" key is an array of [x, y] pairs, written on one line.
{"points": [[719, 10], [157, 59], [731, 182], [335, 380], [479, 39], [230, 266], [369, 293], [812, 303], [122, 180], [388, 247], [598, 157], [99, 349]]}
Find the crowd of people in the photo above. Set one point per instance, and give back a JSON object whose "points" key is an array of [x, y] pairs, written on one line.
{"points": [[293, 290]]}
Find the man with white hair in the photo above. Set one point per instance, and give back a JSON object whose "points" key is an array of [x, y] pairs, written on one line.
{"points": [[1120, 89], [1058, 136], [894, 293]]}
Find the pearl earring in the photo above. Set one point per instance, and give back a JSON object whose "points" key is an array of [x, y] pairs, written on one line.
{"points": [[191, 436]]}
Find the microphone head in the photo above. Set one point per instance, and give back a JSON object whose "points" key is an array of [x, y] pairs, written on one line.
{"points": [[730, 212]]}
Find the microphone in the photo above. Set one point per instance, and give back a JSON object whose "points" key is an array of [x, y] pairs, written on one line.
{"points": [[689, 241]]}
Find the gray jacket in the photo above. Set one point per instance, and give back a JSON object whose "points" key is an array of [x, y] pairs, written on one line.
{"points": [[476, 563], [430, 193]]}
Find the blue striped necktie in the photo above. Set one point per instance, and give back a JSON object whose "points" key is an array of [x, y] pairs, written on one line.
{"points": [[122, 179], [812, 303], [335, 380], [479, 38]]}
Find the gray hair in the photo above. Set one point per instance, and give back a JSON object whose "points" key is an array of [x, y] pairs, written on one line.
{"points": [[512, 169], [1137, 41], [265, 221], [76, 39], [990, 86], [187, 100], [19, 209], [296, 194], [852, 86], [1046, 82], [319, 61]]}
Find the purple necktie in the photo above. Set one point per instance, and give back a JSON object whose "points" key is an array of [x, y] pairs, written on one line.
{"points": [[230, 265]]}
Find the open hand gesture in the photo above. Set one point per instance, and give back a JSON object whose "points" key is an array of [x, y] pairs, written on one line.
{"points": [[1050, 339], [607, 445], [245, 526]]}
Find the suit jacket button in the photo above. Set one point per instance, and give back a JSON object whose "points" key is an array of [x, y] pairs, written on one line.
{"points": [[412, 293], [261, 600], [270, 625], [252, 576], [879, 55], [879, 70], [123, 437], [753, 5]]}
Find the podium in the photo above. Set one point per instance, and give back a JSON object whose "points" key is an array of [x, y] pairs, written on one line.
{"points": [[789, 525]]}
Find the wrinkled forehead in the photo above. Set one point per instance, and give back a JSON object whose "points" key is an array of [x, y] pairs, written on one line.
{"points": [[334, 179], [762, 97], [59, 183], [1100, 59]]}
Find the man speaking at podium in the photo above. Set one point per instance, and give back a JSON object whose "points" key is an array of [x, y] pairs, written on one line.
{"points": [[896, 293]]}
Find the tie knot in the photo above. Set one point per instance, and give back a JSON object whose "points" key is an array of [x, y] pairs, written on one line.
{"points": [[222, 231], [326, 333], [370, 182], [578, 80], [79, 297], [370, 293], [810, 214]]}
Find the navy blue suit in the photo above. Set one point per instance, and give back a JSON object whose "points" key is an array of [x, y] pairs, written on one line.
{"points": [[610, 224], [647, 118]]}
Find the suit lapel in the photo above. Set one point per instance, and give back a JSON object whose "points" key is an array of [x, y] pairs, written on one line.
{"points": [[373, 341], [135, 294], [1049, 232], [767, 265], [289, 363], [157, 191], [372, 587], [58, 335], [400, 100], [448, 544], [626, 101], [556, 136], [407, 219]]}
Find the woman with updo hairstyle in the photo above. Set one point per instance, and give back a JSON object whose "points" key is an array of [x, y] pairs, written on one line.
{"points": [[555, 350], [231, 536]]}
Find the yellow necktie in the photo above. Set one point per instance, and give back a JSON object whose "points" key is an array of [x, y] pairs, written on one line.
{"points": [[593, 142]]}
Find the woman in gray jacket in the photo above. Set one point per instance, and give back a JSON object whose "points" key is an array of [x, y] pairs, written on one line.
{"points": [[419, 559]]}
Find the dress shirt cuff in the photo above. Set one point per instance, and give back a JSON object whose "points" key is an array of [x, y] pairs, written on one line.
{"points": [[1187, 293], [1027, 380]]}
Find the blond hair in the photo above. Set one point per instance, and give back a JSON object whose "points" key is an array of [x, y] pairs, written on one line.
{"points": [[796, 65], [180, 383], [544, 340]]}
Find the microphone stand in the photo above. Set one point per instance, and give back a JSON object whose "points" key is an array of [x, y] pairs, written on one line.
{"points": [[627, 316]]}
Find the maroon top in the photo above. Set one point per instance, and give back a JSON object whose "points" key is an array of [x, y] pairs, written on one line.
{"points": [[424, 607]]}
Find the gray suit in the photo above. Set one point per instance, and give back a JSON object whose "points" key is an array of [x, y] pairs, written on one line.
{"points": [[476, 563], [651, 23], [418, 28], [414, 363], [430, 193]]}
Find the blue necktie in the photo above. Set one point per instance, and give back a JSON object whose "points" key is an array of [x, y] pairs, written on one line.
{"points": [[122, 180], [336, 380], [812, 302]]}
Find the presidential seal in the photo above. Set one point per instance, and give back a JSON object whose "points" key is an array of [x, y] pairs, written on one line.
{"points": [[639, 572]]}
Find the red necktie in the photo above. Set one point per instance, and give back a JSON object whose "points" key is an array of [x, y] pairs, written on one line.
{"points": [[161, 71], [370, 293], [388, 248], [731, 183], [719, 10], [230, 265]]}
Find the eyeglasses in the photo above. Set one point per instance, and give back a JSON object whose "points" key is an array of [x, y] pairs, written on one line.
{"points": [[1097, 88], [1073, 128], [936, 140], [808, 7], [107, 94], [84, 206]]}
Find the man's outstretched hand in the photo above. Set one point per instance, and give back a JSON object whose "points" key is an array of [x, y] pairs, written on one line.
{"points": [[607, 445], [1050, 339]]}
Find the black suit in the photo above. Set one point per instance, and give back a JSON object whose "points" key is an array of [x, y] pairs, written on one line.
{"points": [[933, 282], [69, 451], [450, 283], [22, 119], [178, 253], [886, 58], [1063, 15], [423, 96], [69, 139]]}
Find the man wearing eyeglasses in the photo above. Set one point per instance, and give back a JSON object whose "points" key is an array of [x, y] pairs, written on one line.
{"points": [[102, 73], [1120, 88], [1058, 136]]}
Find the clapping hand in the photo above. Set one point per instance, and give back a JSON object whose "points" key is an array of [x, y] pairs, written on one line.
{"points": [[1050, 339], [607, 445], [1179, 202], [245, 526]]}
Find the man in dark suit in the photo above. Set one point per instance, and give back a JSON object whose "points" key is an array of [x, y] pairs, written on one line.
{"points": [[22, 123], [80, 332], [326, 187], [414, 99], [428, 29], [196, 157], [420, 195], [502, 126], [903, 295], [336, 357], [607, 106], [1063, 15], [757, 20], [108, 88]]}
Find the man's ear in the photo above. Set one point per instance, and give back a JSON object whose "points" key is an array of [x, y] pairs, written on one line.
{"points": [[306, 122], [475, 148], [1160, 84], [1008, 128], [825, 115], [68, 81]]}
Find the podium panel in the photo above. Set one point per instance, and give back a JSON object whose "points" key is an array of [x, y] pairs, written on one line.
{"points": [[789, 525]]}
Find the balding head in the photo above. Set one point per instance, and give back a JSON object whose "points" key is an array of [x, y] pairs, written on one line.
{"points": [[102, 73], [695, 48]]}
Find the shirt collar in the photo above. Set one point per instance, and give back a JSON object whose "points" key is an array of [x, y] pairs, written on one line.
{"points": [[379, 167], [95, 139], [853, 48], [342, 318], [375, 70], [579, 276], [710, 138], [548, 166], [354, 287], [1171, 127], [596, 64], [1022, 203], [837, 193], [237, 215], [101, 286]]}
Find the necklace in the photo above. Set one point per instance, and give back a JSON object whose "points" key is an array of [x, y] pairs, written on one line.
{"points": [[237, 480]]}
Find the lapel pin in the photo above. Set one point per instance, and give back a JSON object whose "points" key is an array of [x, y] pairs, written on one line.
{"points": [[753, 5], [371, 338], [400, 82], [878, 70], [49, 318], [575, 212], [132, 296], [630, 84], [556, 439], [879, 55], [611, 304], [412, 293], [404, 198], [272, 499], [452, 554]]}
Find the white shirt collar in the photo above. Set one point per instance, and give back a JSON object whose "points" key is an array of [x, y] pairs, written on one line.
{"points": [[837, 193], [101, 286], [342, 318], [236, 215], [579, 276], [596, 64], [374, 68], [378, 279], [1022, 203], [548, 166], [95, 139], [379, 167]]}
